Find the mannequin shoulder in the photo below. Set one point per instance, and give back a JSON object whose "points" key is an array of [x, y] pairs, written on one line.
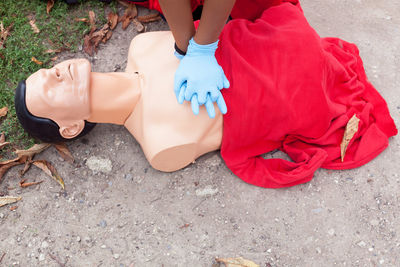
{"points": [[147, 43]]}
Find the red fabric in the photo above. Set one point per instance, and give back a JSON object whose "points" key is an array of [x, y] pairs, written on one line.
{"points": [[294, 91]]}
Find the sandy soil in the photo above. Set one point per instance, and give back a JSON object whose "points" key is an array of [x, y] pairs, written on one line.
{"points": [[122, 212]]}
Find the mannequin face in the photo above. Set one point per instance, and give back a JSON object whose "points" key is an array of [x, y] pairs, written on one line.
{"points": [[60, 93]]}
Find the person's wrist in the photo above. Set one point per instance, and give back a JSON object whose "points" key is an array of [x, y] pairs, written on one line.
{"points": [[194, 47]]}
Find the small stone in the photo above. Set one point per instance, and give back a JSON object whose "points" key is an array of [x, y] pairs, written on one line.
{"points": [[116, 256], [78, 239], [128, 177], [87, 239], [41, 257], [371, 249], [103, 223], [97, 164], [318, 249], [331, 231], [18, 239], [45, 244], [208, 190], [361, 244], [374, 222], [381, 261], [1, 215], [103, 246]]}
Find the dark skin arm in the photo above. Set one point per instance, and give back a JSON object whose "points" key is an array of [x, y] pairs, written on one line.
{"points": [[179, 17]]}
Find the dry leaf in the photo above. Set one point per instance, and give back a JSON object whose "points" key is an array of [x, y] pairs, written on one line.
{"points": [[130, 14], [82, 19], [2, 138], [28, 163], [64, 152], [351, 129], [4, 33], [12, 208], [50, 4], [149, 18], [35, 149], [8, 200], [49, 170], [53, 58], [49, 51], [33, 25], [92, 21], [3, 144], [139, 26], [36, 61], [123, 3], [4, 168], [107, 37], [24, 185], [112, 20], [3, 111], [93, 39], [236, 262]]}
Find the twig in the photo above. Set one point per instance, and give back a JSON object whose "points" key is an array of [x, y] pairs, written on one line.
{"points": [[2, 256], [154, 200], [195, 207], [57, 260]]}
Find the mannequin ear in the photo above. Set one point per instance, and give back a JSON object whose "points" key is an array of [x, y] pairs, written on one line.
{"points": [[72, 130]]}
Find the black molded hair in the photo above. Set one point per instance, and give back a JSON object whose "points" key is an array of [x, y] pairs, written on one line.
{"points": [[41, 128]]}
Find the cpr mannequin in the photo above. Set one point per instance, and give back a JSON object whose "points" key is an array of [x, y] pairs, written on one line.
{"points": [[141, 99]]}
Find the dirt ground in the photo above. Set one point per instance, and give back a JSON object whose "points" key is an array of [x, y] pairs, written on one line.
{"points": [[118, 211]]}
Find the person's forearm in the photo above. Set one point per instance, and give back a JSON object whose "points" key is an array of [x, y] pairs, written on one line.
{"points": [[213, 18], [180, 20]]}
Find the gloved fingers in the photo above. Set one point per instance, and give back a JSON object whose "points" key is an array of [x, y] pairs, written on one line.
{"points": [[214, 94], [178, 81], [202, 96], [181, 96], [195, 104], [221, 104], [226, 82], [210, 107], [189, 92]]}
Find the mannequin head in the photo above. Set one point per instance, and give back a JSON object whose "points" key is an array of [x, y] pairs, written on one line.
{"points": [[52, 104]]}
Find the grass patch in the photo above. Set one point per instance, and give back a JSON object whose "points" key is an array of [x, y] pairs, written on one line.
{"points": [[58, 30]]}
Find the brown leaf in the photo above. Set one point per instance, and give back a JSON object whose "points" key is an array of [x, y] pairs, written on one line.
{"points": [[3, 144], [49, 51], [36, 61], [350, 131], [8, 200], [4, 33], [6, 167], [53, 58], [12, 208], [93, 39], [129, 15], [112, 20], [33, 26], [107, 37], [2, 138], [92, 21], [139, 26], [64, 152], [87, 45], [28, 163], [3, 111], [82, 19], [123, 3], [236, 262], [24, 185], [49, 170], [35, 149], [50, 4], [149, 18]]}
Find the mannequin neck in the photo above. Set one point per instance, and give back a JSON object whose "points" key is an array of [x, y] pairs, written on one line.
{"points": [[113, 96]]}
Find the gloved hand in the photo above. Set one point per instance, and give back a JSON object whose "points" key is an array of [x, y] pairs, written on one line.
{"points": [[199, 78]]}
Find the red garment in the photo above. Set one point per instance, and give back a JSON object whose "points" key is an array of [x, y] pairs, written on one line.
{"points": [[294, 91]]}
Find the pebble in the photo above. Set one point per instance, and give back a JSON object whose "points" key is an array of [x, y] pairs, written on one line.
{"points": [[331, 231], [318, 249], [87, 239], [45, 244], [381, 261], [78, 239], [103, 223], [128, 177], [103, 246], [116, 256], [1, 215], [361, 244], [41, 257], [208, 190], [99, 164]]}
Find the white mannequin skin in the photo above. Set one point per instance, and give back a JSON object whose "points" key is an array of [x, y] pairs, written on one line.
{"points": [[141, 99]]}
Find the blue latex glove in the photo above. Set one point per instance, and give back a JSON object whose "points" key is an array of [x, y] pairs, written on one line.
{"points": [[199, 78]]}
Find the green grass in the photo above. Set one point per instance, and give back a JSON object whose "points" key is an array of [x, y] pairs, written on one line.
{"points": [[58, 30]]}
